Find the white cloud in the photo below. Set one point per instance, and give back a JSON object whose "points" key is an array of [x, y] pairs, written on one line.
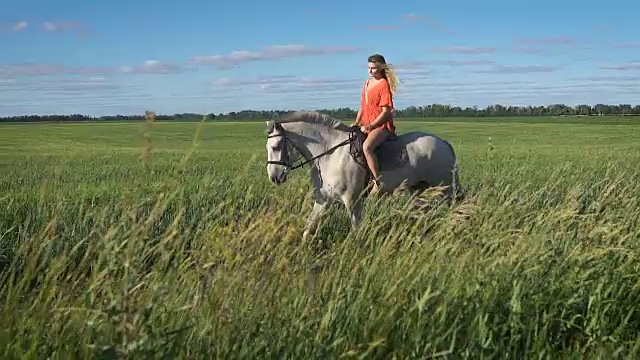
{"points": [[628, 45], [149, 67], [152, 67], [50, 86], [465, 50], [21, 25], [274, 52], [524, 69], [421, 64], [416, 18], [57, 26], [286, 84], [634, 65], [551, 40]]}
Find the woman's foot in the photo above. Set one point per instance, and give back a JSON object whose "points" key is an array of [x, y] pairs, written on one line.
{"points": [[375, 188]]}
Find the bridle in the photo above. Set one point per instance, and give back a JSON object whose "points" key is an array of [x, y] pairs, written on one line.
{"points": [[284, 160]]}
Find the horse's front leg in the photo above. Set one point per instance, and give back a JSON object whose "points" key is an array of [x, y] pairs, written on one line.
{"points": [[319, 208], [352, 197]]}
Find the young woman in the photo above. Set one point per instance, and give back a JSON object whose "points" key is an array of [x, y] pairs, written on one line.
{"points": [[375, 116]]}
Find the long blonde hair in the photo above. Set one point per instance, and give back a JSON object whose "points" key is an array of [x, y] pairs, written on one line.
{"points": [[387, 70]]}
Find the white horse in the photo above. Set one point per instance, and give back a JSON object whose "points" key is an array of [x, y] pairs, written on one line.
{"points": [[414, 160]]}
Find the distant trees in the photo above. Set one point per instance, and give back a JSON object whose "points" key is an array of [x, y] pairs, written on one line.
{"points": [[433, 110]]}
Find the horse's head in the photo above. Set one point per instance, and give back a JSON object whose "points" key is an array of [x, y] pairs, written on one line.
{"points": [[306, 136], [278, 153]]}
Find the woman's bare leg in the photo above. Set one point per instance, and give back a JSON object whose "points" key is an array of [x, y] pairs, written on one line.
{"points": [[371, 143]]}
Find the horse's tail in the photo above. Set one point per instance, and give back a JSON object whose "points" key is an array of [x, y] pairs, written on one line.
{"points": [[458, 193]]}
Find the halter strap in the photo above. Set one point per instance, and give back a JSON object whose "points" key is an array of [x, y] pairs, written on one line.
{"points": [[286, 154]]}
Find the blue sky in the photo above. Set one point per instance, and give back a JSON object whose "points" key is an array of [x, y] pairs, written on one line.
{"points": [[117, 57]]}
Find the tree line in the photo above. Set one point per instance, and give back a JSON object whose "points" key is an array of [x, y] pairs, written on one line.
{"points": [[433, 110]]}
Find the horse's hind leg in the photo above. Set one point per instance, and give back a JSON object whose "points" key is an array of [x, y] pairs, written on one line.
{"points": [[458, 192], [418, 188], [353, 204]]}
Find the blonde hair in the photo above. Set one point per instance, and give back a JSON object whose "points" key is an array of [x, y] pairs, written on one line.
{"points": [[387, 70], [392, 78]]}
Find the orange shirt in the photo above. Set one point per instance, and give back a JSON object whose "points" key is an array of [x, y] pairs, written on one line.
{"points": [[372, 101]]}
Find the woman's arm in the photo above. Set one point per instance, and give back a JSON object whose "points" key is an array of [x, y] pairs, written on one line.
{"points": [[383, 118], [358, 117]]}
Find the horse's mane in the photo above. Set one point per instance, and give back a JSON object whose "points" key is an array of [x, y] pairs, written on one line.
{"points": [[313, 117]]}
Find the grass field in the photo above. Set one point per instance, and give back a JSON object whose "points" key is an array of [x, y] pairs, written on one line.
{"points": [[170, 245]]}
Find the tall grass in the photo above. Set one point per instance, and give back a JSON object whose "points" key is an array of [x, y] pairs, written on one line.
{"points": [[104, 256]]}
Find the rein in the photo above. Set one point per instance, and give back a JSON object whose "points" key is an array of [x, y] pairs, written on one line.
{"points": [[285, 157]]}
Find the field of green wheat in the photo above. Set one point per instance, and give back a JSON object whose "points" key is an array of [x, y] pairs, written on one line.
{"points": [[124, 240]]}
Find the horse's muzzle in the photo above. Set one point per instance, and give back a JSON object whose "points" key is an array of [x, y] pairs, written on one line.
{"points": [[279, 179]]}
